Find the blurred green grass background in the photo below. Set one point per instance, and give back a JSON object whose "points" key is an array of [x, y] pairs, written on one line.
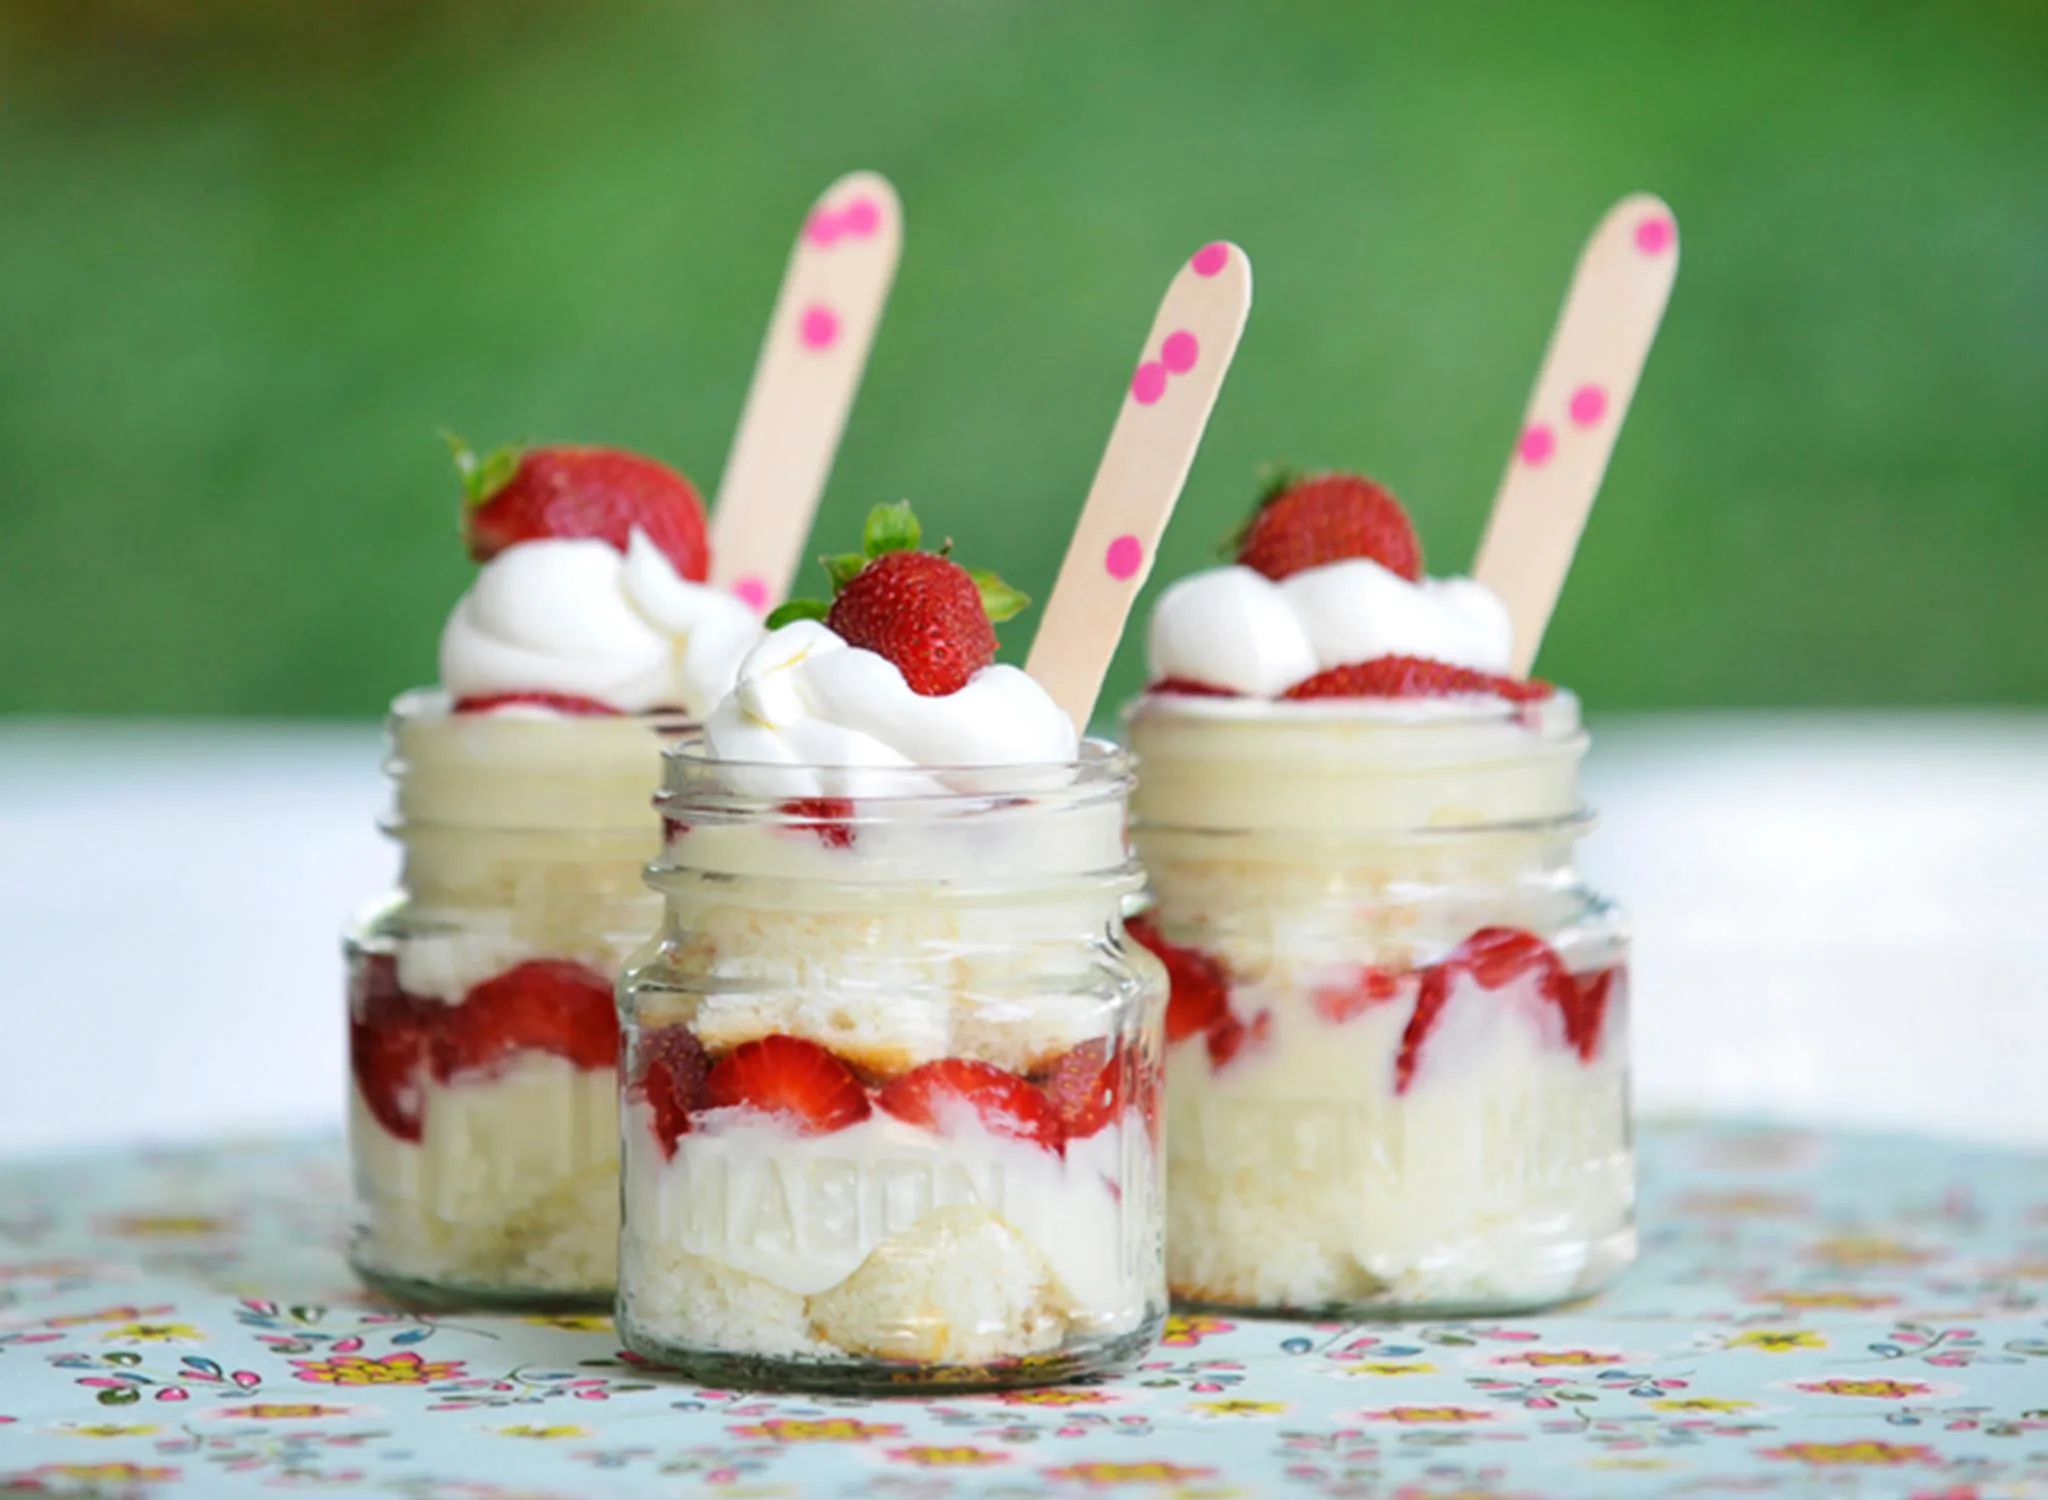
{"points": [[253, 256]]}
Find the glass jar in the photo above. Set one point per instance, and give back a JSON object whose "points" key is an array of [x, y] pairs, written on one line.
{"points": [[893, 1081], [483, 1032], [1397, 1044]]}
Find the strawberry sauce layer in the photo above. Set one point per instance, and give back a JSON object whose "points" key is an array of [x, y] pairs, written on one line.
{"points": [[814, 1092], [1495, 958], [397, 1040]]}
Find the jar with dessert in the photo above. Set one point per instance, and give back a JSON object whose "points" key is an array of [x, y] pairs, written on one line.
{"points": [[483, 1031], [892, 1089], [1398, 1031]]}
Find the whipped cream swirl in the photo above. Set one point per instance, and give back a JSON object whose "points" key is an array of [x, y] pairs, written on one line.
{"points": [[806, 698], [577, 617], [1238, 629]]}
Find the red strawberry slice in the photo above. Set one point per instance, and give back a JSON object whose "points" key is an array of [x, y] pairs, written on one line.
{"points": [[1005, 1104], [1586, 1023], [1414, 677], [1371, 988], [561, 703], [673, 1069], [1496, 957], [1188, 687], [830, 819], [390, 1044], [569, 492], [788, 1076], [923, 612], [1086, 1086], [1200, 994], [1230, 1036], [1307, 523], [543, 1005]]}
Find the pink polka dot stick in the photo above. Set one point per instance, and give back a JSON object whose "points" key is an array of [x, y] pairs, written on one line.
{"points": [[1167, 400], [810, 367], [1589, 374]]}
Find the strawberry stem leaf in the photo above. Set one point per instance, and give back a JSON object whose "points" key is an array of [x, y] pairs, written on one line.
{"points": [[482, 477], [1275, 480], [998, 598], [797, 609], [891, 528], [842, 568]]}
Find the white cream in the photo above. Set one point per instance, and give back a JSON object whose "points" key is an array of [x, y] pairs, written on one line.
{"points": [[580, 618], [805, 698], [1237, 629], [803, 1212]]}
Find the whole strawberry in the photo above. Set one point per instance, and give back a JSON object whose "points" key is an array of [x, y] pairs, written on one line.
{"points": [[523, 495], [933, 618], [1308, 522]]}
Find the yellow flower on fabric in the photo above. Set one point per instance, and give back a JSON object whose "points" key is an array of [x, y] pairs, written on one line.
{"points": [[1868, 1250], [167, 1226], [103, 1473], [932, 1456], [1542, 1358], [1185, 1330], [1644, 1464], [1892, 1390], [828, 1430], [111, 1429], [1104, 1472], [283, 1411], [1053, 1396], [1778, 1341], [1701, 1403], [548, 1434], [1239, 1407], [393, 1369], [1390, 1367], [1868, 1452], [1849, 1301], [1414, 1414], [155, 1333], [572, 1322]]}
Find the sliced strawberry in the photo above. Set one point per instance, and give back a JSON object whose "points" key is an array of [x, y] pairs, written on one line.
{"points": [[1008, 1105], [571, 492], [390, 1044], [543, 1005], [1497, 957], [1415, 677], [1307, 523], [674, 1067], [1188, 687], [1587, 1020], [1086, 1086], [786, 1075], [1370, 988], [1200, 994], [1429, 1004], [830, 819], [1231, 1036], [561, 703]]}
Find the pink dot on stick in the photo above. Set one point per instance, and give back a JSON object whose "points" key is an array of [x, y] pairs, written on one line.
{"points": [[820, 327], [823, 228], [753, 592], [1538, 443], [1123, 557], [1180, 351], [1211, 259], [1655, 235], [861, 218], [1148, 382], [1589, 405]]}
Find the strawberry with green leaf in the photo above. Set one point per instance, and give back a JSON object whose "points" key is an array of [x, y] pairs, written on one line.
{"points": [[514, 495], [921, 610]]}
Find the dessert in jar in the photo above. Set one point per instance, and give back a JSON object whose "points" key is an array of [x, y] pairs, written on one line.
{"points": [[1397, 1037], [891, 1103], [483, 1032]]}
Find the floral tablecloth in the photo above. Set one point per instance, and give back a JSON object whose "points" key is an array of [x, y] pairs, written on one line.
{"points": [[1813, 1314]]}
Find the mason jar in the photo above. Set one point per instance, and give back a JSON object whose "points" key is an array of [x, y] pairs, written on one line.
{"points": [[891, 1108], [1397, 1043], [483, 1030]]}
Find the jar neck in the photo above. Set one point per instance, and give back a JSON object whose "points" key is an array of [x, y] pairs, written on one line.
{"points": [[1379, 773]]}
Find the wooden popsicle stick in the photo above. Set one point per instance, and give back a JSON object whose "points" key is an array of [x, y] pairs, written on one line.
{"points": [[1582, 393], [1151, 449], [810, 367]]}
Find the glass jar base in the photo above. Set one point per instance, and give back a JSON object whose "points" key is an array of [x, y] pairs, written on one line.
{"points": [[457, 1297], [872, 1377]]}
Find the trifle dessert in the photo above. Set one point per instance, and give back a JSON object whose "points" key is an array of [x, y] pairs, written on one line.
{"points": [[483, 1034], [1397, 1036], [891, 1114]]}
